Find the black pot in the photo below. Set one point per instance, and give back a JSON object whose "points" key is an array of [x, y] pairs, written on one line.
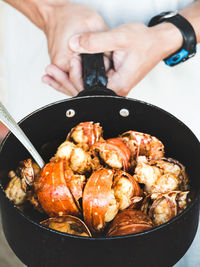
{"points": [[36, 245]]}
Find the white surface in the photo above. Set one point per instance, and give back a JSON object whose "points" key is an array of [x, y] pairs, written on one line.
{"points": [[174, 89]]}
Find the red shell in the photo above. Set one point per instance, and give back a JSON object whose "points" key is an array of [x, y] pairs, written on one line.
{"points": [[143, 144], [118, 146], [96, 199], [91, 131], [53, 189], [129, 222]]}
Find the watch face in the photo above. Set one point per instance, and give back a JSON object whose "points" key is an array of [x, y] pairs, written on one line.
{"points": [[168, 14]]}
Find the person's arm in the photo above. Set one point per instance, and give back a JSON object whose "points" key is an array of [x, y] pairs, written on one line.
{"points": [[136, 48], [192, 14], [61, 19], [36, 10]]}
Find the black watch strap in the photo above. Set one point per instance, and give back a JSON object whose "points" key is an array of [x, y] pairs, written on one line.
{"points": [[186, 29]]}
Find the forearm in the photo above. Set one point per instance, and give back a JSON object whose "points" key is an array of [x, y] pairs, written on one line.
{"points": [[36, 10], [192, 14], [169, 38]]}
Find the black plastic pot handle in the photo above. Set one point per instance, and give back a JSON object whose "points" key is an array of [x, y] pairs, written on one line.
{"points": [[93, 71], [94, 75]]}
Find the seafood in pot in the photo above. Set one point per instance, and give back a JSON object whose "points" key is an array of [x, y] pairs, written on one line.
{"points": [[58, 189], [142, 144], [16, 189], [129, 222], [162, 207], [68, 224], [106, 192], [118, 186], [78, 160], [126, 190], [20, 187], [161, 175], [112, 153], [85, 134]]}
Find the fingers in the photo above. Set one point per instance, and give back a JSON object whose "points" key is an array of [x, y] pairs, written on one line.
{"points": [[75, 74], [107, 62], [117, 83], [98, 42], [120, 80], [57, 86], [71, 83], [56, 73], [59, 80], [127, 75], [124, 77]]}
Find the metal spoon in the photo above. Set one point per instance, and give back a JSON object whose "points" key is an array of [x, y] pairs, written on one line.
{"points": [[7, 119]]}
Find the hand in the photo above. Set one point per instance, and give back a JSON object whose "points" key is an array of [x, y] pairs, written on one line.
{"points": [[64, 20], [136, 50]]}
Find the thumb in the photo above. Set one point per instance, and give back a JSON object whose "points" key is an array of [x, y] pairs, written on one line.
{"points": [[98, 42]]}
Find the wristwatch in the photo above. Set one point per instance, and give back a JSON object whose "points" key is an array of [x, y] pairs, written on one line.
{"points": [[188, 48]]}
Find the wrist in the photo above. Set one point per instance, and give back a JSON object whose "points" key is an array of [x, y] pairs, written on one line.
{"points": [[49, 10], [40, 12], [167, 39]]}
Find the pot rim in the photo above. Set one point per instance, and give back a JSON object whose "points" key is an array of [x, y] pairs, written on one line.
{"points": [[160, 227]]}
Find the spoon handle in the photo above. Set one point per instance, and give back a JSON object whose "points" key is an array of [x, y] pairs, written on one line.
{"points": [[7, 119]]}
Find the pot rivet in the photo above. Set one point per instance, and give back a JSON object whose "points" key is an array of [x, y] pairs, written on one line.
{"points": [[124, 112], [70, 113]]}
